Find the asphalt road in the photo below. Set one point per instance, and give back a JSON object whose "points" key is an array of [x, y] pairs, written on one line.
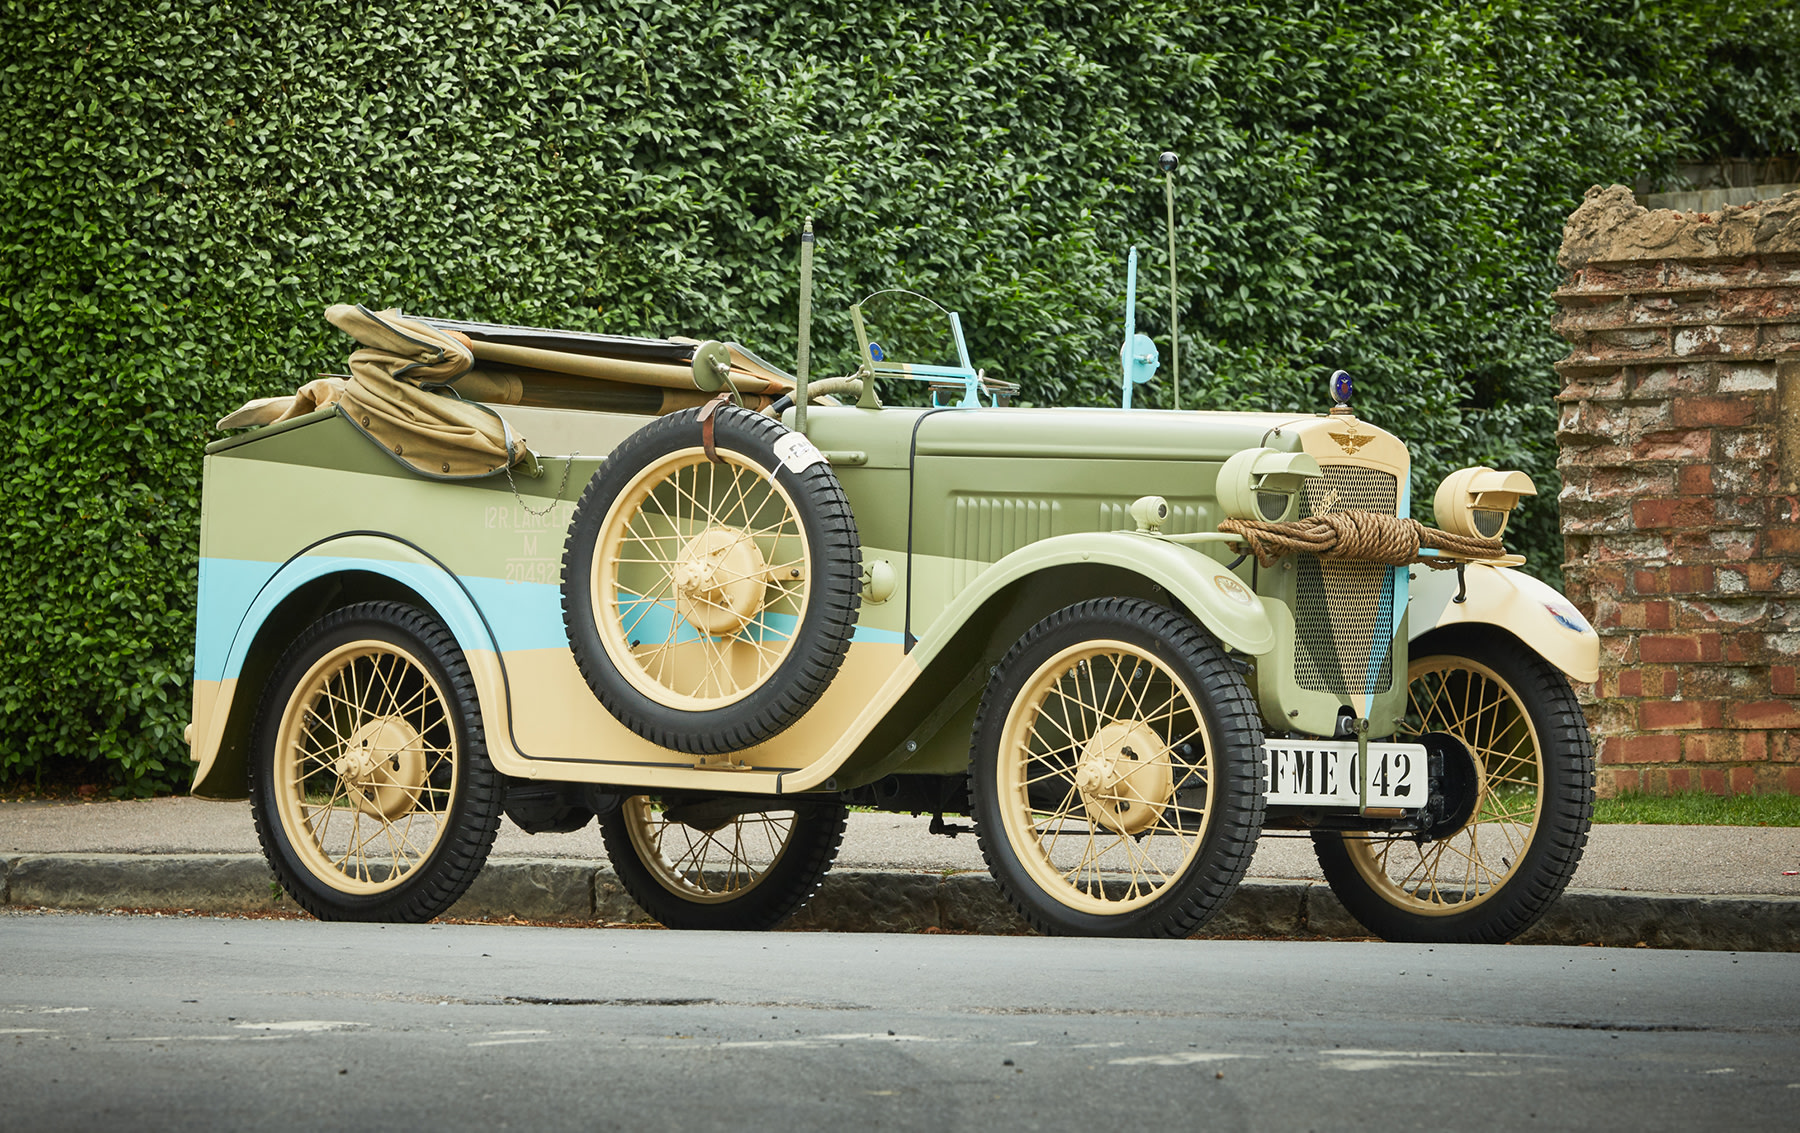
{"points": [[198, 1024]]}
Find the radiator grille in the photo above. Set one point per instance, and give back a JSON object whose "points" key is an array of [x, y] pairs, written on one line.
{"points": [[1344, 611]]}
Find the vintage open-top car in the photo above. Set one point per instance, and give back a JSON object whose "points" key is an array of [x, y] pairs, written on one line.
{"points": [[662, 583]]}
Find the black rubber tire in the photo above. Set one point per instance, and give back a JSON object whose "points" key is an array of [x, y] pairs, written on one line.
{"points": [[811, 845], [821, 637], [471, 801], [1565, 754], [1233, 803]]}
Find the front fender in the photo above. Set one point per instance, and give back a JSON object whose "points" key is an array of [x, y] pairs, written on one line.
{"points": [[1216, 597], [1530, 610]]}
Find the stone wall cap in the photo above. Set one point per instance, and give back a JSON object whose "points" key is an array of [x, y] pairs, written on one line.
{"points": [[1611, 227]]}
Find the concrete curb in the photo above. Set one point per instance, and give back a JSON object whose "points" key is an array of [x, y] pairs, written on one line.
{"points": [[874, 901]]}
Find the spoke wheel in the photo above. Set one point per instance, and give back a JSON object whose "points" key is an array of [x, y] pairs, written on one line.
{"points": [[1495, 874], [373, 795], [711, 863], [709, 600], [1115, 783]]}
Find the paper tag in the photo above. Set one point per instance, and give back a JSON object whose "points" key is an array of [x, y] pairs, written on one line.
{"points": [[797, 453]]}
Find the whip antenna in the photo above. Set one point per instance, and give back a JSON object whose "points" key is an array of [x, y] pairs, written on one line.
{"points": [[1168, 161]]}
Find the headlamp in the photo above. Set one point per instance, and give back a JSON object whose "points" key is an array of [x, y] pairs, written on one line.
{"points": [[1264, 484], [1478, 501]]}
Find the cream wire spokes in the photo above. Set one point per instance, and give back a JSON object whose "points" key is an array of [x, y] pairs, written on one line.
{"points": [[1057, 726], [708, 866], [1457, 872], [755, 567], [363, 815]]}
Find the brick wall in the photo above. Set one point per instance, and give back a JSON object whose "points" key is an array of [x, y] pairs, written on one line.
{"points": [[1680, 456]]}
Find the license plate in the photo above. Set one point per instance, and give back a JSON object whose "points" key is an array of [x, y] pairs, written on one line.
{"points": [[1323, 773]]}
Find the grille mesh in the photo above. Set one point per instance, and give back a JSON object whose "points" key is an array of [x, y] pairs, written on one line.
{"points": [[1344, 611]]}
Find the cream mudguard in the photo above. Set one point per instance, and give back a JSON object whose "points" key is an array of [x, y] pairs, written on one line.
{"points": [[1546, 621]]}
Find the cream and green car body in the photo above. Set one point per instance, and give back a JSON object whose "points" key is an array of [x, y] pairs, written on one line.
{"points": [[975, 524]]}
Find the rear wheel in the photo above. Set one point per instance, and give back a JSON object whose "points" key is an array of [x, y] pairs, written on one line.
{"points": [[722, 862], [371, 788], [1116, 781], [1491, 877]]}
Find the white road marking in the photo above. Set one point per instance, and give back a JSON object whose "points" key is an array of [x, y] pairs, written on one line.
{"points": [[301, 1026], [1179, 1058]]}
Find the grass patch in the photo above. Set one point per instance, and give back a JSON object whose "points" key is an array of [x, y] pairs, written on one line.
{"points": [[1696, 808]]}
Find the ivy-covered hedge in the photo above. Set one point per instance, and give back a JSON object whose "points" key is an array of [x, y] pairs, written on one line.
{"points": [[183, 188]]}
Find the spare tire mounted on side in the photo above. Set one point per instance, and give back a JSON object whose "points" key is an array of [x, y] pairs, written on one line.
{"points": [[711, 584]]}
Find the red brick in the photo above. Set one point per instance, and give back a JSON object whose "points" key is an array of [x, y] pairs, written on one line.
{"points": [[1643, 749], [1710, 747], [1667, 715], [1753, 747], [1680, 647], [1650, 581], [1712, 781], [1633, 615], [1790, 780], [1695, 480], [1746, 648], [1781, 541], [1766, 714], [1680, 779], [1691, 579], [1683, 445], [1735, 412], [1782, 680], [1611, 781], [1743, 781], [1629, 684], [1672, 513]]}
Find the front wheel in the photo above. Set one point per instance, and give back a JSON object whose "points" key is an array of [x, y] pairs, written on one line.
{"points": [[371, 788], [1494, 875], [1116, 772], [722, 862]]}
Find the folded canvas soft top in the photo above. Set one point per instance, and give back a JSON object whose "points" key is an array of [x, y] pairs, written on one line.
{"points": [[422, 388]]}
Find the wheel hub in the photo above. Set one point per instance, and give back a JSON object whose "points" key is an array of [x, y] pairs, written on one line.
{"points": [[720, 576], [1124, 777], [382, 767]]}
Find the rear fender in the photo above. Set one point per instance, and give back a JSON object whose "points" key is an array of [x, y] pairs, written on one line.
{"points": [[228, 681], [1541, 617]]}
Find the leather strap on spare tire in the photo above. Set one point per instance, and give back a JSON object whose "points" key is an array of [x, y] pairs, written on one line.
{"points": [[711, 582]]}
